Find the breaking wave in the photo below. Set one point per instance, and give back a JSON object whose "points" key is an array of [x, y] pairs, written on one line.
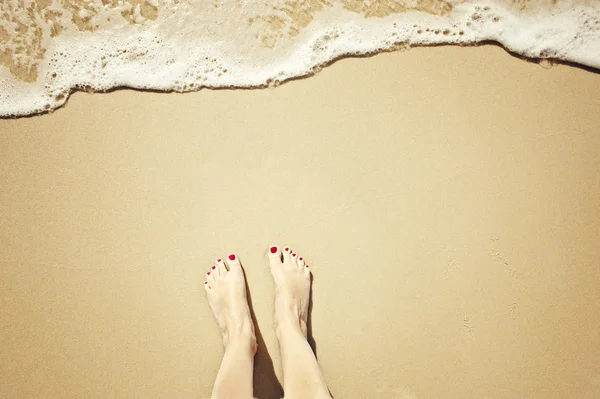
{"points": [[48, 48]]}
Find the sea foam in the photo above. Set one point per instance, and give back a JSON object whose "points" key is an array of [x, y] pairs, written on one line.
{"points": [[48, 48]]}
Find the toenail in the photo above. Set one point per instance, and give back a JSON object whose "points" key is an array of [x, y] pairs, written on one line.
{"points": [[219, 260], [206, 282], [307, 266], [293, 254], [232, 257], [287, 249], [299, 258], [273, 250], [214, 267], [208, 273]]}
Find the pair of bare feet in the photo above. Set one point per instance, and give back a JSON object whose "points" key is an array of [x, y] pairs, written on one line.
{"points": [[226, 290]]}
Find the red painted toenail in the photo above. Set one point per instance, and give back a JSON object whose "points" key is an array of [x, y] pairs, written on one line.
{"points": [[208, 273], [206, 282], [287, 249], [219, 260], [307, 266], [293, 254], [232, 257], [214, 267], [299, 258], [273, 250]]}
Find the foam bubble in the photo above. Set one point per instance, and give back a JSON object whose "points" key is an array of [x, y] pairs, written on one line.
{"points": [[48, 49]]}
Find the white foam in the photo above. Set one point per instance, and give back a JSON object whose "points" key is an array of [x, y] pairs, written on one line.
{"points": [[187, 49]]}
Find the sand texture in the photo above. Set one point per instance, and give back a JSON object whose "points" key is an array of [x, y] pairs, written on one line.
{"points": [[447, 200]]}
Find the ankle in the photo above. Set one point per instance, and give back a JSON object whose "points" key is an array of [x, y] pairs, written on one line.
{"points": [[289, 324], [240, 334]]}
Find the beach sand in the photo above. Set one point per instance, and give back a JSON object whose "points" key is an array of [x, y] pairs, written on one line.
{"points": [[447, 200]]}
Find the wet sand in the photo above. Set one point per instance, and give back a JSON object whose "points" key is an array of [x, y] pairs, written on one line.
{"points": [[447, 200]]}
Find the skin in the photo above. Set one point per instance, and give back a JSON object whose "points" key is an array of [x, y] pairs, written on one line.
{"points": [[226, 291]]}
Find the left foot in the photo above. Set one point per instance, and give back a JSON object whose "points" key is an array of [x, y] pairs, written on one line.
{"points": [[226, 290]]}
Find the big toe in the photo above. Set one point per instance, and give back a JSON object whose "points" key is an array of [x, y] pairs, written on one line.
{"points": [[274, 256], [233, 263]]}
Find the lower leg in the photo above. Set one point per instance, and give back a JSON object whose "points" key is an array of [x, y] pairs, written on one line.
{"points": [[226, 291], [234, 379], [302, 376]]}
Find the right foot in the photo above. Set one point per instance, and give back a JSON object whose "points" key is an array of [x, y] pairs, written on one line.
{"points": [[226, 290], [292, 288]]}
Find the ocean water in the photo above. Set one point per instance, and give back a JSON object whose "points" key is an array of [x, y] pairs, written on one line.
{"points": [[48, 48]]}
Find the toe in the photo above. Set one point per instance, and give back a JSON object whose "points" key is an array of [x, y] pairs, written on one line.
{"points": [[294, 258], [274, 256], [214, 270], [233, 263], [300, 262], [206, 286], [210, 277], [286, 254], [307, 271], [221, 267]]}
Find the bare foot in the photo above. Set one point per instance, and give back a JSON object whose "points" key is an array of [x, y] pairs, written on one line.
{"points": [[226, 291], [292, 288]]}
